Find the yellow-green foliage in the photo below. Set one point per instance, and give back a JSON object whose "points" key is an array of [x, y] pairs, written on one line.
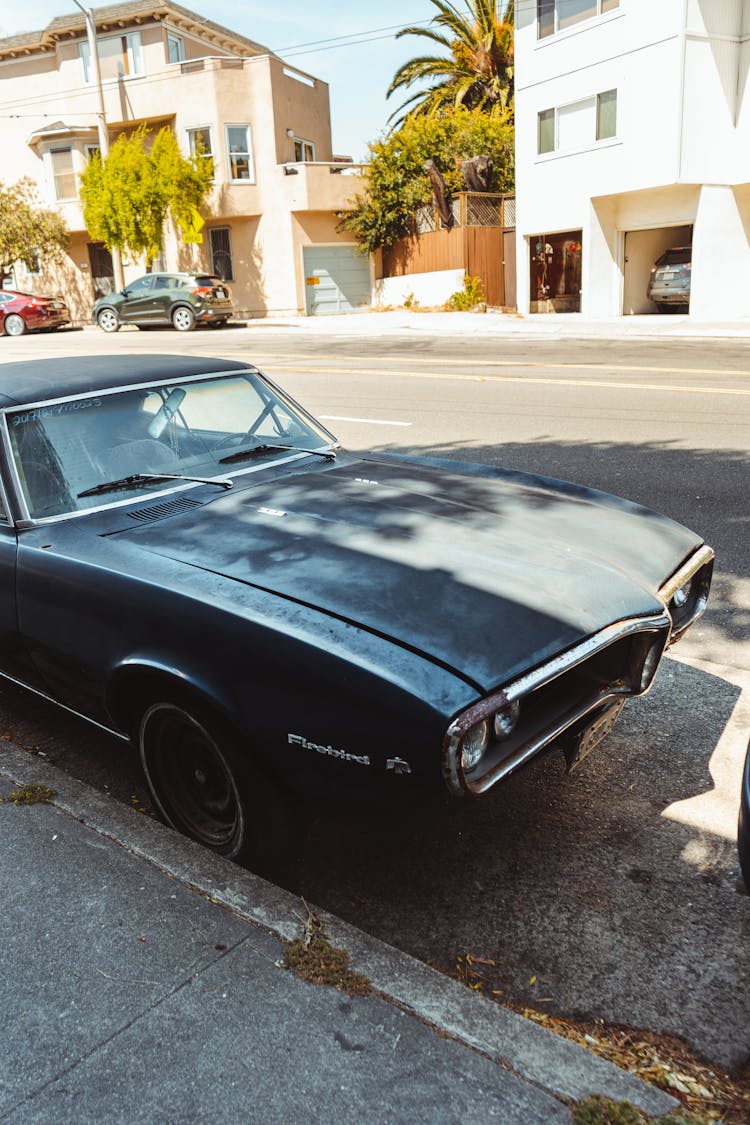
{"points": [[127, 197], [467, 298]]}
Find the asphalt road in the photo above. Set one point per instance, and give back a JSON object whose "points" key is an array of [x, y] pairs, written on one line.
{"points": [[612, 893]]}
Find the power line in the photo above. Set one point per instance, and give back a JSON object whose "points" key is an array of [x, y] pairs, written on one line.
{"points": [[372, 36], [351, 35]]}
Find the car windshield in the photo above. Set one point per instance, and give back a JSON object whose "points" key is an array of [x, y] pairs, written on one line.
{"points": [[679, 257], [84, 452]]}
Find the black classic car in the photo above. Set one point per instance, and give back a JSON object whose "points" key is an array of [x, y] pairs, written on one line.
{"points": [[189, 560]]}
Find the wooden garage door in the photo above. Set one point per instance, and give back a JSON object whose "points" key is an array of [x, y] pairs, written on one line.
{"points": [[337, 279]]}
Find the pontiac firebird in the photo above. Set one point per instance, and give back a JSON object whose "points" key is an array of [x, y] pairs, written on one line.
{"points": [[189, 560]]}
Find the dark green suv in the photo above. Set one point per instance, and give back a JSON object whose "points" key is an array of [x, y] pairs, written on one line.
{"points": [[183, 300]]}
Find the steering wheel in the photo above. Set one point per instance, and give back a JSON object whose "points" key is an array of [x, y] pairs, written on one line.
{"points": [[233, 439]]}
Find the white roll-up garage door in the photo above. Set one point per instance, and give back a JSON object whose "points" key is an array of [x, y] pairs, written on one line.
{"points": [[337, 279]]}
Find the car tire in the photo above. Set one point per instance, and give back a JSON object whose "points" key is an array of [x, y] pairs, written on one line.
{"points": [[743, 830], [15, 325], [108, 320], [183, 319], [201, 784]]}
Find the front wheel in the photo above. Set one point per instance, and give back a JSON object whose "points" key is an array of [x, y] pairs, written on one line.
{"points": [[15, 325], [108, 320], [183, 319], [201, 785]]}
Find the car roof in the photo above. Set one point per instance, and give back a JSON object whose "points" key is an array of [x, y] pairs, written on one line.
{"points": [[42, 379], [180, 273]]}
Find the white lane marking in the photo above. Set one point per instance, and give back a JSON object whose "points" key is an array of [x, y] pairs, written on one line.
{"points": [[367, 421]]}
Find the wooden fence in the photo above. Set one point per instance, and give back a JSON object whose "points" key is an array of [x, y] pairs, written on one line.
{"points": [[481, 243]]}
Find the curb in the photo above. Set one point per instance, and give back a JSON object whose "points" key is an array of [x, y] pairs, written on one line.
{"points": [[544, 1059], [571, 326]]}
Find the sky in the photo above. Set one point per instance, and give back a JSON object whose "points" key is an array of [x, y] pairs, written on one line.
{"points": [[351, 47]]}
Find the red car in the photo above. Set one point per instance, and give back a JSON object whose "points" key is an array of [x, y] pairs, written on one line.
{"points": [[23, 312]]}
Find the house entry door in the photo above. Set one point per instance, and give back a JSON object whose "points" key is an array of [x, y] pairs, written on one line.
{"points": [[102, 271]]}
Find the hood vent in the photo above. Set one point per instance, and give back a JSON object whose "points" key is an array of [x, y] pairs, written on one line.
{"points": [[167, 508]]}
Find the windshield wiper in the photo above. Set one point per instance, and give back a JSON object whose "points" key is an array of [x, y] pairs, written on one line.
{"points": [[264, 447], [146, 478]]}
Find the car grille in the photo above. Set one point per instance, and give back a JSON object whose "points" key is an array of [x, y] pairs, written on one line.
{"points": [[613, 665]]}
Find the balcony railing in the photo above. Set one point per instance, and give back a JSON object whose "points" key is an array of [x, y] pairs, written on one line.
{"points": [[335, 167]]}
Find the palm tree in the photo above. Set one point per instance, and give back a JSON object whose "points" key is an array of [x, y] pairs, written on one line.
{"points": [[478, 71]]}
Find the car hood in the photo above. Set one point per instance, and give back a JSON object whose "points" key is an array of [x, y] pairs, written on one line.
{"points": [[485, 574]]}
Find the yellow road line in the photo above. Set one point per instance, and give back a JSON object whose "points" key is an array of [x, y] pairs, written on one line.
{"points": [[533, 379]]}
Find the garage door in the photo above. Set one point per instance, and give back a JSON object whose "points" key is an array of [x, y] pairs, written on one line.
{"points": [[337, 279]]}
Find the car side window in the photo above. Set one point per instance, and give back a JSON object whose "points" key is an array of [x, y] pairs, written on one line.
{"points": [[164, 283], [5, 297], [141, 285]]}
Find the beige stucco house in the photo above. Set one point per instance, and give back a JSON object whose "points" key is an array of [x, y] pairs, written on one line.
{"points": [[271, 219]]}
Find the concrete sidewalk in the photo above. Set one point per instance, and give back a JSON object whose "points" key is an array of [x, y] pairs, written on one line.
{"points": [[403, 322], [143, 982]]}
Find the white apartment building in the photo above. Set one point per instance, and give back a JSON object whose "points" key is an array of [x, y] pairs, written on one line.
{"points": [[632, 137]]}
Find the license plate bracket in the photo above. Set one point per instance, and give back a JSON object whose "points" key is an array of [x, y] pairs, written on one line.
{"points": [[580, 745]]}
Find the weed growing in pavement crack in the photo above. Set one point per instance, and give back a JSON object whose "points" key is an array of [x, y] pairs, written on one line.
{"points": [[30, 795], [313, 958]]}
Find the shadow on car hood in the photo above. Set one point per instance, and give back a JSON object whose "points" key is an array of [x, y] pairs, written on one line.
{"points": [[485, 574]]}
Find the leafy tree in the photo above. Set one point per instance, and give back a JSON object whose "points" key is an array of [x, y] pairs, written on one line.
{"points": [[127, 197], [476, 73], [28, 232], [397, 182]]}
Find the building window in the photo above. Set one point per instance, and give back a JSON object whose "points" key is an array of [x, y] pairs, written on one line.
{"points": [[239, 148], [199, 141], [606, 115], [558, 15], [32, 268], [578, 125], [175, 49], [63, 175], [546, 131], [90, 150], [304, 151], [120, 56], [221, 253]]}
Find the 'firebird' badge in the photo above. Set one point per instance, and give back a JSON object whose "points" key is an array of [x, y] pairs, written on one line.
{"points": [[330, 751]]}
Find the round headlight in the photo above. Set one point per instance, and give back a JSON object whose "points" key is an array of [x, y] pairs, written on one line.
{"points": [[474, 744], [680, 597], [506, 719]]}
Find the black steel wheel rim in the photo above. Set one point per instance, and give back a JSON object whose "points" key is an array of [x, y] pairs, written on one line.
{"points": [[192, 781]]}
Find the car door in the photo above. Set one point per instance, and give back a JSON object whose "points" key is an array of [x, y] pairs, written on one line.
{"points": [[5, 300], [15, 660], [166, 291], [138, 306]]}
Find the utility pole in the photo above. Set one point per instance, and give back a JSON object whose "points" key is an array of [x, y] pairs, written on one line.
{"points": [[101, 122]]}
